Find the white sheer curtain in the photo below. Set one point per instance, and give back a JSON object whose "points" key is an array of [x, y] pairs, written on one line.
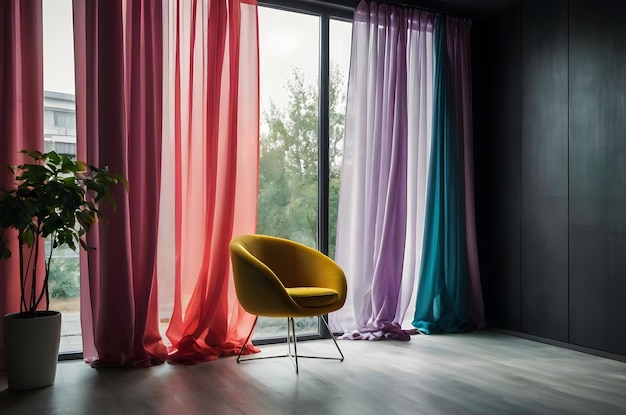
{"points": [[385, 167]]}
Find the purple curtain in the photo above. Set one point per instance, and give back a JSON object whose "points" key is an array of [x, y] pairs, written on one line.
{"points": [[383, 185], [382, 203]]}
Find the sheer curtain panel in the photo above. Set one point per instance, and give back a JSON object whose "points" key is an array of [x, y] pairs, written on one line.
{"points": [[383, 183], [167, 94], [212, 153], [406, 234], [449, 295]]}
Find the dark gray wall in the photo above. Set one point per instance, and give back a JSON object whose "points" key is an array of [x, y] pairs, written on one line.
{"points": [[550, 132], [497, 137]]}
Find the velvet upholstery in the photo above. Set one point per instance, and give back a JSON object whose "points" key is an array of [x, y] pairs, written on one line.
{"points": [[276, 277]]}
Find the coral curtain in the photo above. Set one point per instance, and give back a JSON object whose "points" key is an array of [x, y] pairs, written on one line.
{"points": [[212, 130], [383, 183], [449, 298], [118, 60], [21, 117]]}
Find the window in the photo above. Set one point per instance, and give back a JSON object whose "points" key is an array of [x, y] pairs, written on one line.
{"points": [[60, 135], [65, 119], [304, 64], [339, 53], [304, 58]]}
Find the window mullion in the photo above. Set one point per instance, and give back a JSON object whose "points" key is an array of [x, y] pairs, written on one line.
{"points": [[324, 135]]}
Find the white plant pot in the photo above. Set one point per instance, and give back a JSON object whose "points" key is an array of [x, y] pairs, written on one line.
{"points": [[31, 349]]}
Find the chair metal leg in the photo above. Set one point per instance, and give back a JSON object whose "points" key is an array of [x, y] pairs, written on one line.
{"points": [[332, 336], [291, 327], [247, 339], [291, 334]]}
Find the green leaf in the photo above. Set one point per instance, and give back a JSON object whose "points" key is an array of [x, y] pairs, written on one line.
{"points": [[4, 251], [28, 236], [52, 224], [34, 154]]}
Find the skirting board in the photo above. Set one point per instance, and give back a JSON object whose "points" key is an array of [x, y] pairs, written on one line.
{"points": [[565, 345]]}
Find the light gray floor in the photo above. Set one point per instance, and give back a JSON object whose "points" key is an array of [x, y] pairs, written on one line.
{"points": [[71, 339], [473, 373]]}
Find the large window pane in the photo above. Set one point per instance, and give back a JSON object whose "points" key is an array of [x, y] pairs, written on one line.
{"points": [[60, 135], [339, 53], [288, 176]]}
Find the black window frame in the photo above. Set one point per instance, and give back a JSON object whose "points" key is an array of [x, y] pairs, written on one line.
{"points": [[326, 12]]}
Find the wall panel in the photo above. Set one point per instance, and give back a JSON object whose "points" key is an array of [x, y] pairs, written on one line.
{"points": [[544, 165], [598, 174], [552, 218], [497, 76]]}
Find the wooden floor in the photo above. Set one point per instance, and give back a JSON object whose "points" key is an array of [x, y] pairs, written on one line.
{"points": [[473, 373]]}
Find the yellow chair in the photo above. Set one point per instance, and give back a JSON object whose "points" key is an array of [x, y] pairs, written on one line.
{"points": [[276, 277]]}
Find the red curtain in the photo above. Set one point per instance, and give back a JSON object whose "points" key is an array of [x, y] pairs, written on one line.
{"points": [[21, 116], [213, 90], [177, 220], [118, 58]]}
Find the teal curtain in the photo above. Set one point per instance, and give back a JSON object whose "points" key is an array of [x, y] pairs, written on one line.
{"points": [[443, 290]]}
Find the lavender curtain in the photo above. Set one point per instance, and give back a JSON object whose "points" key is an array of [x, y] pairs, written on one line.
{"points": [[387, 156], [381, 208]]}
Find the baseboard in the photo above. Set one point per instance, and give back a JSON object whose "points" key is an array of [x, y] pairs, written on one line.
{"points": [[565, 345]]}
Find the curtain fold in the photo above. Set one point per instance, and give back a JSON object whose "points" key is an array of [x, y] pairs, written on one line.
{"points": [[21, 118], [214, 132], [118, 117], [384, 168]]}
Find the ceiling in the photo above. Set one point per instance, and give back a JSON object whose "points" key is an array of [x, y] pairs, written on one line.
{"points": [[474, 9], [468, 8]]}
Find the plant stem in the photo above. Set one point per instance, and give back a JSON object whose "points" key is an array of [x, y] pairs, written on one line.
{"points": [[33, 295], [23, 306]]}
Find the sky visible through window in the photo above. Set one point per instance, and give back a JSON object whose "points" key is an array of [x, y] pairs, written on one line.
{"points": [[288, 40], [58, 46]]}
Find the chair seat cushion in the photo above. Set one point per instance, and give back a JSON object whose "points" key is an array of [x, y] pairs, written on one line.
{"points": [[313, 296]]}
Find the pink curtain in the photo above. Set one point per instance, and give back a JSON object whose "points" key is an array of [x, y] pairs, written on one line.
{"points": [[213, 98], [177, 89], [118, 60], [21, 116]]}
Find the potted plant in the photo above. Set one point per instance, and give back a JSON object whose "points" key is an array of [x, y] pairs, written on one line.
{"points": [[57, 198]]}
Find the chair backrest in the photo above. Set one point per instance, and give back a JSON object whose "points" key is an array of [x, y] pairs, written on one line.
{"points": [[258, 289]]}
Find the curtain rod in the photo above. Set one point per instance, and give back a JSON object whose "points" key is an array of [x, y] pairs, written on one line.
{"points": [[316, 6], [429, 7], [345, 8]]}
